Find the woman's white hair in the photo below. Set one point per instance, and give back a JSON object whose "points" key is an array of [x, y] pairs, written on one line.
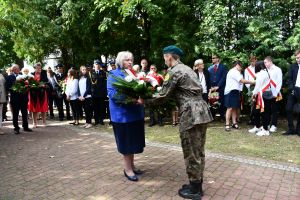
{"points": [[122, 56]]}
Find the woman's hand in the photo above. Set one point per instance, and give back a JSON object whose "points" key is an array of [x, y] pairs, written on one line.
{"points": [[140, 101]]}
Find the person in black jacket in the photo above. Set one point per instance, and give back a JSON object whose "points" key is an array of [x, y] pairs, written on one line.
{"points": [[99, 92], [293, 83], [18, 101], [203, 77], [61, 78], [85, 95]]}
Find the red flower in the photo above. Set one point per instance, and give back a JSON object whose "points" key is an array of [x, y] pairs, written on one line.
{"points": [[26, 82]]}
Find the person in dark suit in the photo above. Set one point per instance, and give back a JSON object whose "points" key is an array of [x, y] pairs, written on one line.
{"points": [[61, 77], [217, 73], [18, 101], [99, 92], [203, 76], [293, 83]]}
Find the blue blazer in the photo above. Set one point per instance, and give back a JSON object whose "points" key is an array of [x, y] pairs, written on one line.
{"points": [[218, 78], [121, 113]]}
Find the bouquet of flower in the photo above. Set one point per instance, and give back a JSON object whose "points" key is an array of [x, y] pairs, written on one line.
{"points": [[132, 87], [25, 83], [63, 85], [213, 99]]}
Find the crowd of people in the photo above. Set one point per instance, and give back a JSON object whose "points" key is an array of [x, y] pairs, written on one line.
{"points": [[85, 91]]}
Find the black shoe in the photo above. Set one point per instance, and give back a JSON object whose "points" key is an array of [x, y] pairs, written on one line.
{"points": [[152, 124], [138, 171], [289, 132], [17, 132], [131, 178], [51, 116], [27, 129], [192, 191], [61, 119]]}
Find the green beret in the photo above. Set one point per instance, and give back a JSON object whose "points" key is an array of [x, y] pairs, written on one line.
{"points": [[172, 49]]}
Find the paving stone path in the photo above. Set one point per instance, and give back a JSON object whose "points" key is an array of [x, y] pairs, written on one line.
{"points": [[64, 162]]}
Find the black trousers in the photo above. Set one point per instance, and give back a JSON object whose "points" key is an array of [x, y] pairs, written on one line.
{"points": [[275, 110], [67, 103], [17, 105], [266, 115], [88, 110], [4, 111], [75, 110], [99, 109], [50, 103], [59, 101], [291, 101]]}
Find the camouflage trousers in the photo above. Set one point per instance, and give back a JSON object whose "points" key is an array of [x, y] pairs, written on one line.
{"points": [[192, 143]]}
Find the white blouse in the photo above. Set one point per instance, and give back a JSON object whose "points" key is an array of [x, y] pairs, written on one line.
{"points": [[72, 89], [262, 79]]}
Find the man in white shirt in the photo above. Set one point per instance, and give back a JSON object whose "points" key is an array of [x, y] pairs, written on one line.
{"points": [[203, 77], [275, 74]]}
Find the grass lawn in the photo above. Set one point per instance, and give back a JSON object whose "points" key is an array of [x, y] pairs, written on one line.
{"points": [[237, 142]]}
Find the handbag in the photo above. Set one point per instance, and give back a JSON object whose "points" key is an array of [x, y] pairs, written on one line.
{"points": [[268, 94]]}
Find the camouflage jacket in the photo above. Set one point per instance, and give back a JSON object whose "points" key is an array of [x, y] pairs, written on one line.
{"points": [[182, 84]]}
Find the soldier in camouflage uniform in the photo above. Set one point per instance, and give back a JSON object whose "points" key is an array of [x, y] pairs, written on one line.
{"points": [[182, 84]]}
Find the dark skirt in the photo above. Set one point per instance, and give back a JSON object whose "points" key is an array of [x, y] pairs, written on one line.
{"points": [[232, 99], [130, 137]]}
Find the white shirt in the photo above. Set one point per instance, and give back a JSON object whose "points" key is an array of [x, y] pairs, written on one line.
{"points": [[82, 87], [72, 89], [248, 76], [276, 75], [298, 77], [203, 82], [233, 79], [262, 79]]}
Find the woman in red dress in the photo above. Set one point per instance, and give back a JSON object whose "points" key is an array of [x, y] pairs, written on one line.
{"points": [[38, 99]]}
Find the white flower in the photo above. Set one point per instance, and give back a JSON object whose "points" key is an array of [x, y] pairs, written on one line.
{"points": [[19, 77], [158, 89], [141, 82], [128, 78]]}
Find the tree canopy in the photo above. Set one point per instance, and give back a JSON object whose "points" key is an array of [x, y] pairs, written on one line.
{"points": [[82, 30]]}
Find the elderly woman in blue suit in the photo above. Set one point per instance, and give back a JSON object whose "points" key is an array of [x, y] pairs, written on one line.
{"points": [[127, 119]]}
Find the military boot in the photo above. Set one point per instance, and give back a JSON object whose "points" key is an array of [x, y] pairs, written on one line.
{"points": [[184, 186], [192, 191]]}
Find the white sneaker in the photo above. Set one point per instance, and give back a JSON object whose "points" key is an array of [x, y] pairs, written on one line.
{"points": [[273, 129], [263, 132], [254, 130]]}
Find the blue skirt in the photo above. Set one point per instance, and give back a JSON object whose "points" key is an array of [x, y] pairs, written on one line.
{"points": [[130, 137], [232, 99]]}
